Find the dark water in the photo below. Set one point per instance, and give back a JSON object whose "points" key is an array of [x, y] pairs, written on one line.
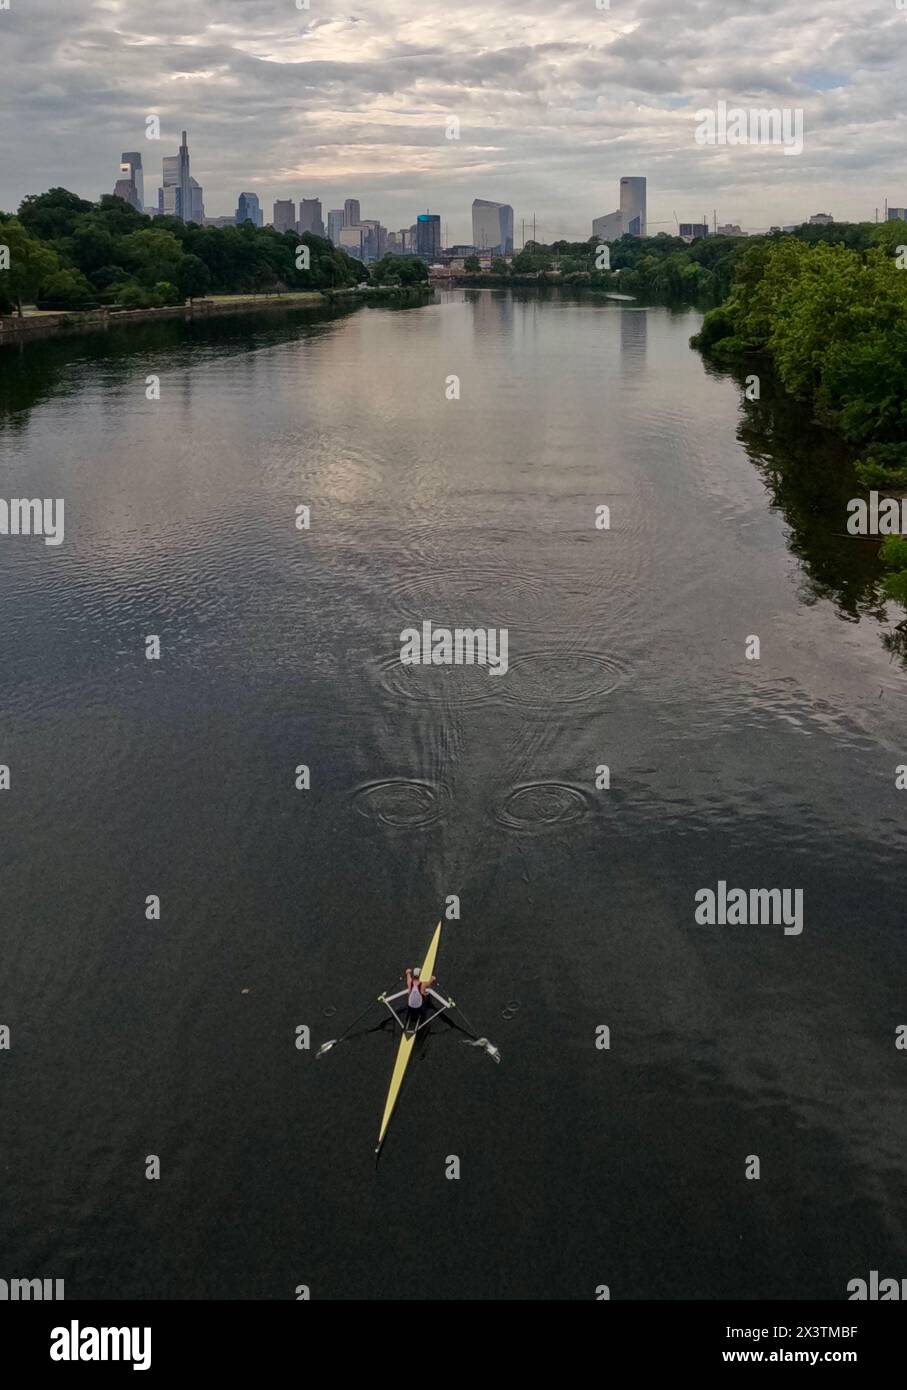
{"points": [[579, 1166]]}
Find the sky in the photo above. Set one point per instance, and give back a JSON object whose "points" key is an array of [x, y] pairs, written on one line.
{"points": [[555, 102]]}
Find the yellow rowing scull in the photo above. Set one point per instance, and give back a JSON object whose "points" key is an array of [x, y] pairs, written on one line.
{"points": [[405, 1050]]}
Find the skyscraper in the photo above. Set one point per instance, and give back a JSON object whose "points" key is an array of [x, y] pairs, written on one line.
{"points": [[630, 219], [132, 160], [492, 227], [351, 212], [351, 241], [374, 239], [196, 203], [185, 183], [169, 196], [248, 209], [284, 215], [125, 188], [310, 218], [633, 206], [335, 225], [428, 235], [178, 197]]}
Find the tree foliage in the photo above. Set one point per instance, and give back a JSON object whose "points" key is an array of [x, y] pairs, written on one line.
{"points": [[76, 254]]}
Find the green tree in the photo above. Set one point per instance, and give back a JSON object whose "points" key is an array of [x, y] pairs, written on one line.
{"points": [[152, 254], [66, 289], [120, 217], [51, 215], [90, 245], [133, 296], [472, 264], [31, 262], [533, 259], [193, 277], [404, 270], [166, 293]]}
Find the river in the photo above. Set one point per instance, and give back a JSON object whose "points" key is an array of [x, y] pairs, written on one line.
{"points": [[579, 1165]]}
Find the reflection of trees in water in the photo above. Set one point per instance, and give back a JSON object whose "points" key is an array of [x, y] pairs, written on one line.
{"points": [[38, 371], [809, 475], [895, 641]]}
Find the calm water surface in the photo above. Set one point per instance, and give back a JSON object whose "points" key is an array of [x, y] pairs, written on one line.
{"points": [[129, 777]]}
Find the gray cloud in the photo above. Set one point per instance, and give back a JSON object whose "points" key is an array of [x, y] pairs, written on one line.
{"points": [[556, 102]]}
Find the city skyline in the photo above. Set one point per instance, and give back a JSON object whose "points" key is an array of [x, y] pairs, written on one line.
{"points": [[551, 111]]}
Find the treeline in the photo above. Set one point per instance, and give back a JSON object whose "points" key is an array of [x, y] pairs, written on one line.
{"points": [[66, 253], [662, 267], [828, 306], [833, 318]]}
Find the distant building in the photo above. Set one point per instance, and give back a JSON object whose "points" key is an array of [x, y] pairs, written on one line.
{"points": [[351, 241], [821, 219], [220, 221], [461, 251], [428, 235], [374, 240], [608, 228], [335, 225], [730, 229], [197, 203], [691, 231], [284, 215], [187, 195], [125, 188], [310, 218], [177, 197], [897, 214], [630, 219], [169, 192], [492, 227], [131, 168], [351, 214], [248, 209]]}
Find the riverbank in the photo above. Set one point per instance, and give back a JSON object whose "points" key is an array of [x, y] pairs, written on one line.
{"points": [[40, 324], [44, 324]]}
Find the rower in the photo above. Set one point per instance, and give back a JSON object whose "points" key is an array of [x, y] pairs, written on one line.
{"points": [[417, 988]]}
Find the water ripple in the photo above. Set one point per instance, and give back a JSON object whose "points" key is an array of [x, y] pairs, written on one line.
{"points": [[482, 593], [438, 685], [541, 679], [401, 802], [540, 805]]}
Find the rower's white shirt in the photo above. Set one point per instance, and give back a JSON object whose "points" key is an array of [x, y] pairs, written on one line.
{"points": [[415, 997]]}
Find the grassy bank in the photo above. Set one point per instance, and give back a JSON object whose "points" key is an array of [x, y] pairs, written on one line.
{"points": [[36, 323]]}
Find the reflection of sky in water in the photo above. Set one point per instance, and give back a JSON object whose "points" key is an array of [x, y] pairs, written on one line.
{"points": [[282, 647]]}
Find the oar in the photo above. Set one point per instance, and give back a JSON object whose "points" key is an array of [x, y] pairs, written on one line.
{"points": [[485, 1043], [332, 1042]]}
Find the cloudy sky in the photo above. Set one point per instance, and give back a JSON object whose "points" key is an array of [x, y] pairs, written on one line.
{"points": [[351, 98]]}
